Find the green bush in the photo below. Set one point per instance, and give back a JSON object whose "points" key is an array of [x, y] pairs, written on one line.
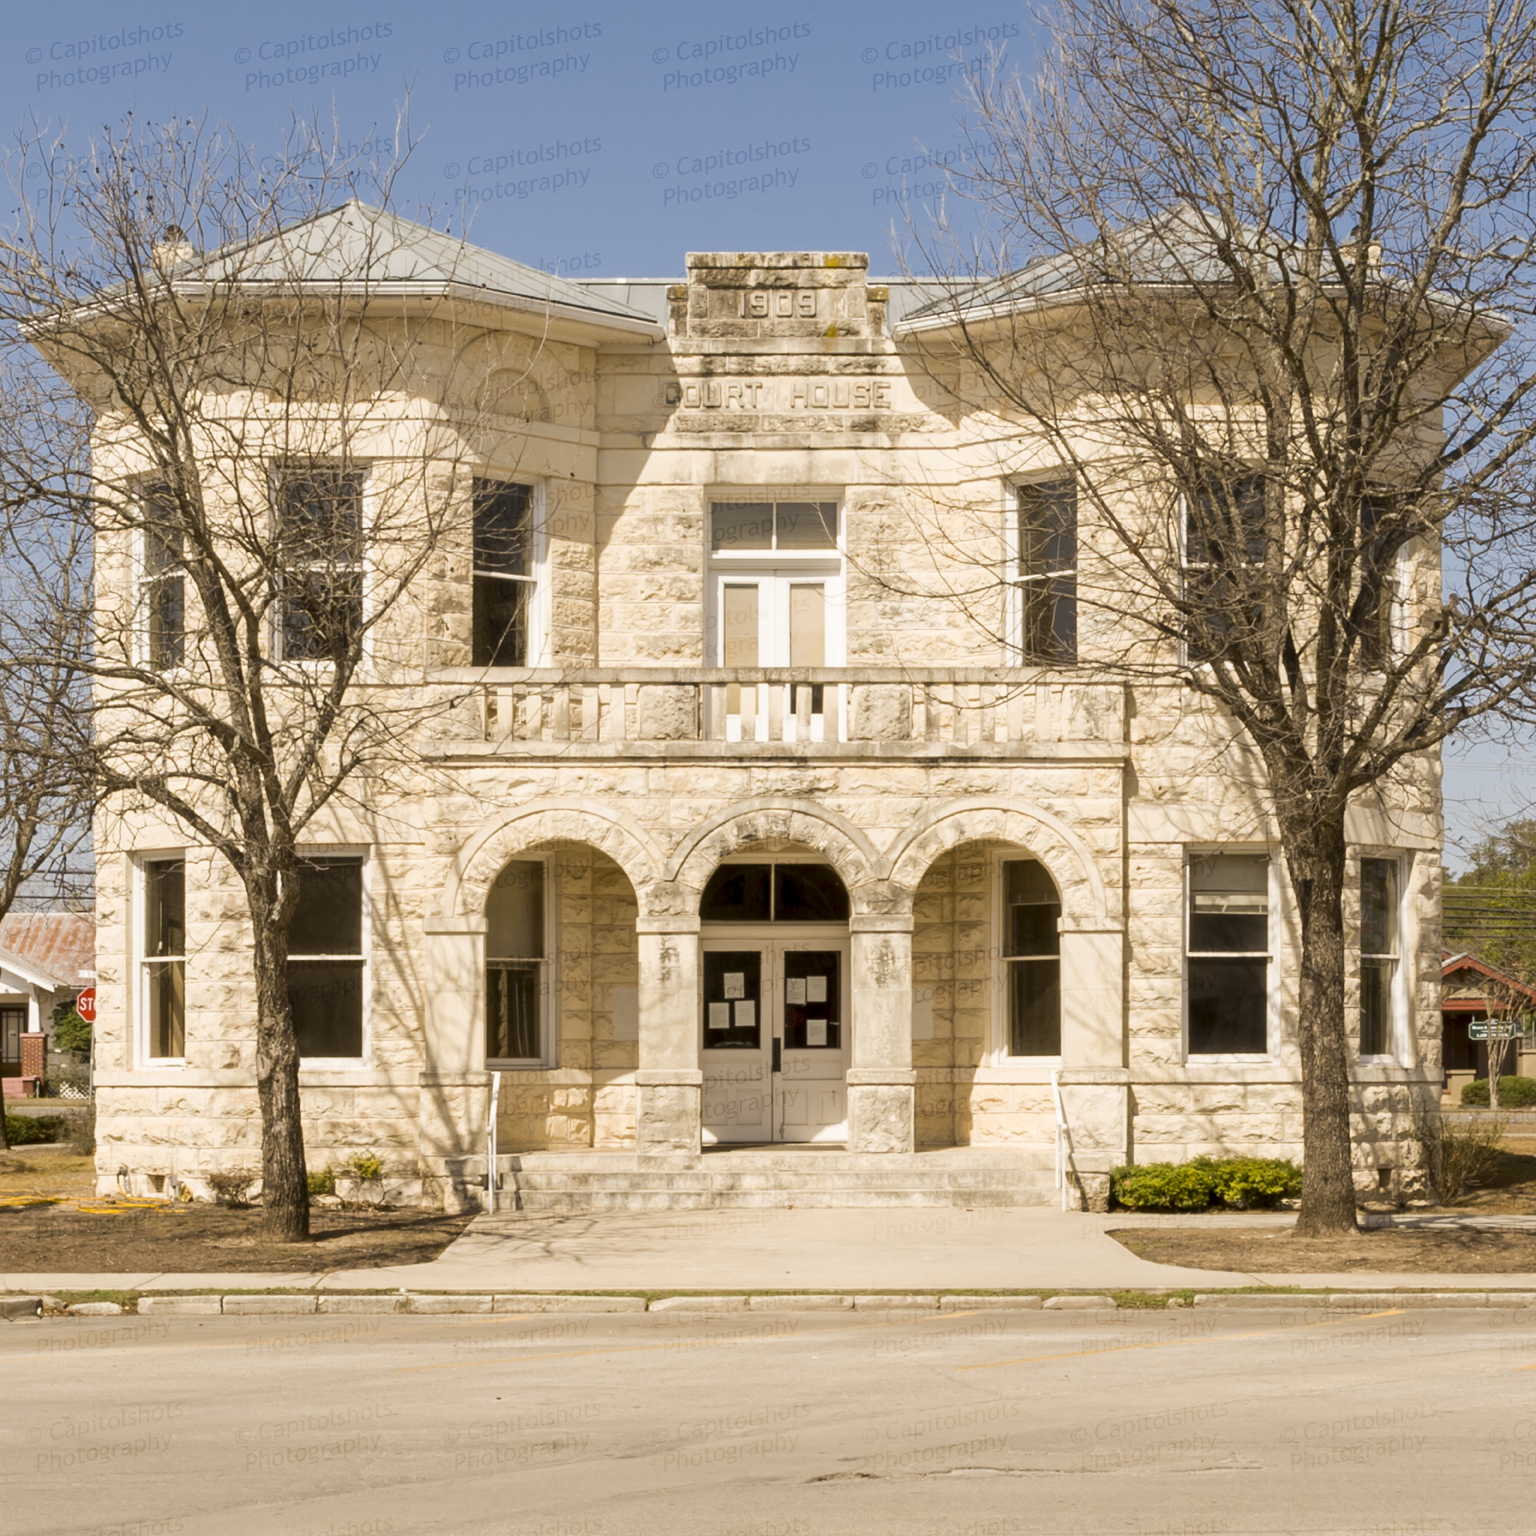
{"points": [[366, 1165], [322, 1181], [29, 1130], [1242, 1183], [1164, 1186], [1514, 1093]]}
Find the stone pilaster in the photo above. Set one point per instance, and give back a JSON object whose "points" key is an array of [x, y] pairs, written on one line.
{"points": [[881, 1081], [669, 1083], [455, 1086]]}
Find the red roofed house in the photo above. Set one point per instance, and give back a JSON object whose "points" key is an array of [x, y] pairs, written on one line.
{"points": [[45, 957], [1472, 990]]}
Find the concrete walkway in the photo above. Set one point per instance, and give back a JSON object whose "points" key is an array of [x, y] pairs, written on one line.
{"points": [[928, 1249]]}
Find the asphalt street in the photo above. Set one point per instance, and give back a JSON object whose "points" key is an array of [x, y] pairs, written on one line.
{"points": [[1158, 1423]]}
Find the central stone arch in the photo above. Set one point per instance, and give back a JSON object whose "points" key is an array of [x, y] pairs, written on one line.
{"points": [[801, 822]]}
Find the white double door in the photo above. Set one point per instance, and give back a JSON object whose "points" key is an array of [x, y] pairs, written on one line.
{"points": [[775, 1035]]}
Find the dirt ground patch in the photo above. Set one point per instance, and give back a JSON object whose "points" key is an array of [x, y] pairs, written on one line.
{"points": [[197, 1238], [1384, 1250], [1509, 1188]]}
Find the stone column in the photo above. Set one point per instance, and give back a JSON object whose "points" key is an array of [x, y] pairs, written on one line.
{"points": [[881, 1082], [1095, 1085], [669, 1086], [455, 1088]]}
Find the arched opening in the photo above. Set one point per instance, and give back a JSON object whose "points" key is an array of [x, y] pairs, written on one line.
{"points": [[986, 996], [775, 1003], [561, 997]]}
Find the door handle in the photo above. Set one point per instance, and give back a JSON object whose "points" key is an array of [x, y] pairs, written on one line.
{"points": [[777, 1060]]}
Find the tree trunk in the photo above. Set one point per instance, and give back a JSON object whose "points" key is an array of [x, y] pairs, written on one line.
{"points": [[284, 1178], [1328, 1184]]}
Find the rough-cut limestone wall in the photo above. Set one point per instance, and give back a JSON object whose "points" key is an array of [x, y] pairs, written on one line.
{"points": [[650, 568], [580, 1104]]}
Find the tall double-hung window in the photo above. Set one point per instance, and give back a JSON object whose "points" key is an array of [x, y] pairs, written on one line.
{"points": [[505, 577], [327, 964], [162, 582], [516, 983], [1031, 958], [1045, 581], [319, 558], [1378, 956], [1223, 541], [1228, 957], [163, 959]]}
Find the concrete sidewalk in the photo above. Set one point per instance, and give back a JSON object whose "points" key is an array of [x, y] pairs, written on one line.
{"points": [[854, 1249]]}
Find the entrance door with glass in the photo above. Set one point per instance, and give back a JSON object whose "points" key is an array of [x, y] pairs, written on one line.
{"points": [[775, 1045]]}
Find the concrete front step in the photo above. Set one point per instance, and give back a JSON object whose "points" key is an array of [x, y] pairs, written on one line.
{"points": [[776, 1177]]}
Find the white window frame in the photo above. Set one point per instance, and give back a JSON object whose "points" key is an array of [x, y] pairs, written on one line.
{"points": [[1014, 583], [144, 585], [777, 570], [141, 860], [1274, 974], [999, 1055], [539, 602], [364, 1059], [549, 1015], [1397, 1052], [365, 571]]}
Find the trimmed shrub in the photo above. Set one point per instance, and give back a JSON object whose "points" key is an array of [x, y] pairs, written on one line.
{"points": [[30, 1130], [1514, 1093], [1256, 1183], [322, 1181], [230, 1186], [1242, 1183], [1164, 1186]]}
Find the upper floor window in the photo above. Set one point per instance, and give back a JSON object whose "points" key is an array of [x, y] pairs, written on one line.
{"points": [[1376, 603], [1228, 955], [163, 959], [319, 514], [1378, 955], [1032, 958], [327, 966], [1046, 579], [162, 582], [516, 986], [1223, 538], [504, 578]]}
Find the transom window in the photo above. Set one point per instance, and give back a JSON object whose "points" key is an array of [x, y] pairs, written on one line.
{"points": [[755, 526], [1032, 958], [163, 990], [504, 574], [327, 966], [1378, 955], [774, 893], [1046, 579], [516, 983], [1228, 955], [320, 561]]}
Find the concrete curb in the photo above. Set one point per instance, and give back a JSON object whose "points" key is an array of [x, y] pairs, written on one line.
{"points": [[509, 1304]]}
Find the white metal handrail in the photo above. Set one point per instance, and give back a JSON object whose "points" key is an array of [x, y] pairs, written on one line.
{"points": [[490, 1144], [1063, 1140]]}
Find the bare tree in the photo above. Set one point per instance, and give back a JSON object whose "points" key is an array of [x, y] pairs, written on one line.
{"points": [[280, 443], [1259, 279]]}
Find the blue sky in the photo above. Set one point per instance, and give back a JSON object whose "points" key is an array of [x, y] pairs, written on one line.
{"points": [[600, 140]]}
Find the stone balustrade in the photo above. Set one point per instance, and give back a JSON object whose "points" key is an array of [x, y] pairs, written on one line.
{"points": [[830, 709]]}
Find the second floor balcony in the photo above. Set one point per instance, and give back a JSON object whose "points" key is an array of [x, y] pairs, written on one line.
{"points": [[860, 711]]}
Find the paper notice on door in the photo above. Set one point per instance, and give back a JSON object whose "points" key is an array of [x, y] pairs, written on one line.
{"points": [[794, 991], [735, 983], [815, 1031], [746, 1015], [815, 989], [719, 1015]]}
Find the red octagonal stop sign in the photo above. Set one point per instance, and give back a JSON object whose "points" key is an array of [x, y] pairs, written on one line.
{"points": [[85, 1005]]}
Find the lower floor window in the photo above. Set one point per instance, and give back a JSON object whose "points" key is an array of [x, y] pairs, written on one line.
{"points": [[514, 964], [1228, 955], [1032, 958], [327, 970]]}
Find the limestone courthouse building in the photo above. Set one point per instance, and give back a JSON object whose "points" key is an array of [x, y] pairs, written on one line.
{"points": [[749, 847]]}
